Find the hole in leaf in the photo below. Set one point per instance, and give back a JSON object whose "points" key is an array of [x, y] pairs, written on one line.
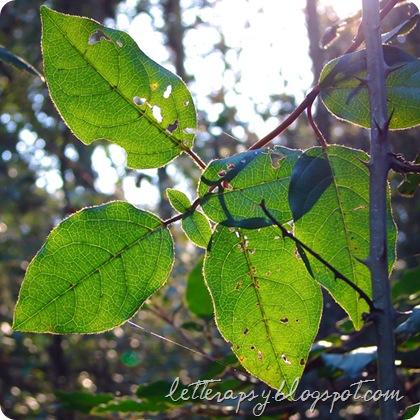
{"points": [[285, 359], [221, 173], [284, 320], [139, 101], [98, 36], [260, 355], [186, 103], [246, 331], [275, 160], [119, 43], [230, 165], [241, 358], [238, 285], [157, 113], [167, 92], [302, 362], [252, 347], [172, 127]]}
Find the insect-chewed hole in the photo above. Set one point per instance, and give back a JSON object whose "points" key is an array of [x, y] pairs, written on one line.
{"points": [[172, 127], [284, 320], [98, 36], [139, 101], [157, 113], [167, 92], [285, 359], [259, 355], [246, 331]]}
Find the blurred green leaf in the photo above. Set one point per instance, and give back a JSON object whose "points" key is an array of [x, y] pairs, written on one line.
{"points": [[344, 91], [82, 401], [95, 271], [411, 411], [126, 405], [267, 306], [408, 284], [197, 295], [243, 181], [130, 358], [105, 87]]}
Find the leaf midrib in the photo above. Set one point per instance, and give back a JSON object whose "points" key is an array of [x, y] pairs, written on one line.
{"points": [[260, 306]]}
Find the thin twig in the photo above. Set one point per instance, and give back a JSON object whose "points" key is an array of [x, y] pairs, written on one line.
{"points": [[195, 158], [399, 164], [337, 274]]}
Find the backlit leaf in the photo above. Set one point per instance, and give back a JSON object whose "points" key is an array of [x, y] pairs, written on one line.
{"points": [[344, 90], [266, 304], [105, 87], [197, 227], [95, 271], [197, 295], [331, 214]]}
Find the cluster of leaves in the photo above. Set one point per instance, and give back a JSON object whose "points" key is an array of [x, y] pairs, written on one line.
{"points": [[100, 265]]}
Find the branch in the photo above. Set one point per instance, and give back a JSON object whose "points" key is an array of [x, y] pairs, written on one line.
{"points": [[399, 164], [311, 96], [337, 274], [379, 166]]}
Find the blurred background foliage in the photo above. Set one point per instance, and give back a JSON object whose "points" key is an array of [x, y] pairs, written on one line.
{"points": [[45, 174]]}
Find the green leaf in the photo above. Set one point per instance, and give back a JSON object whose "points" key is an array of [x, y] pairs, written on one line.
{"points": [[95, 270], [410, 183], [242, 182], [407, 285], [403, 28], [197, 295], [266, 304], [331, 214], [126, 405], [105, 87], [8, 57], [411, 411], [197, 227], [82, 401], [344, 91], [179, 201]]}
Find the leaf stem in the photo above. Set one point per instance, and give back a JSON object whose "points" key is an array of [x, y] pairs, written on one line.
{"points": [[321, 138], [337, 274], [195, 158], [379, 166], [311, 96]]}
